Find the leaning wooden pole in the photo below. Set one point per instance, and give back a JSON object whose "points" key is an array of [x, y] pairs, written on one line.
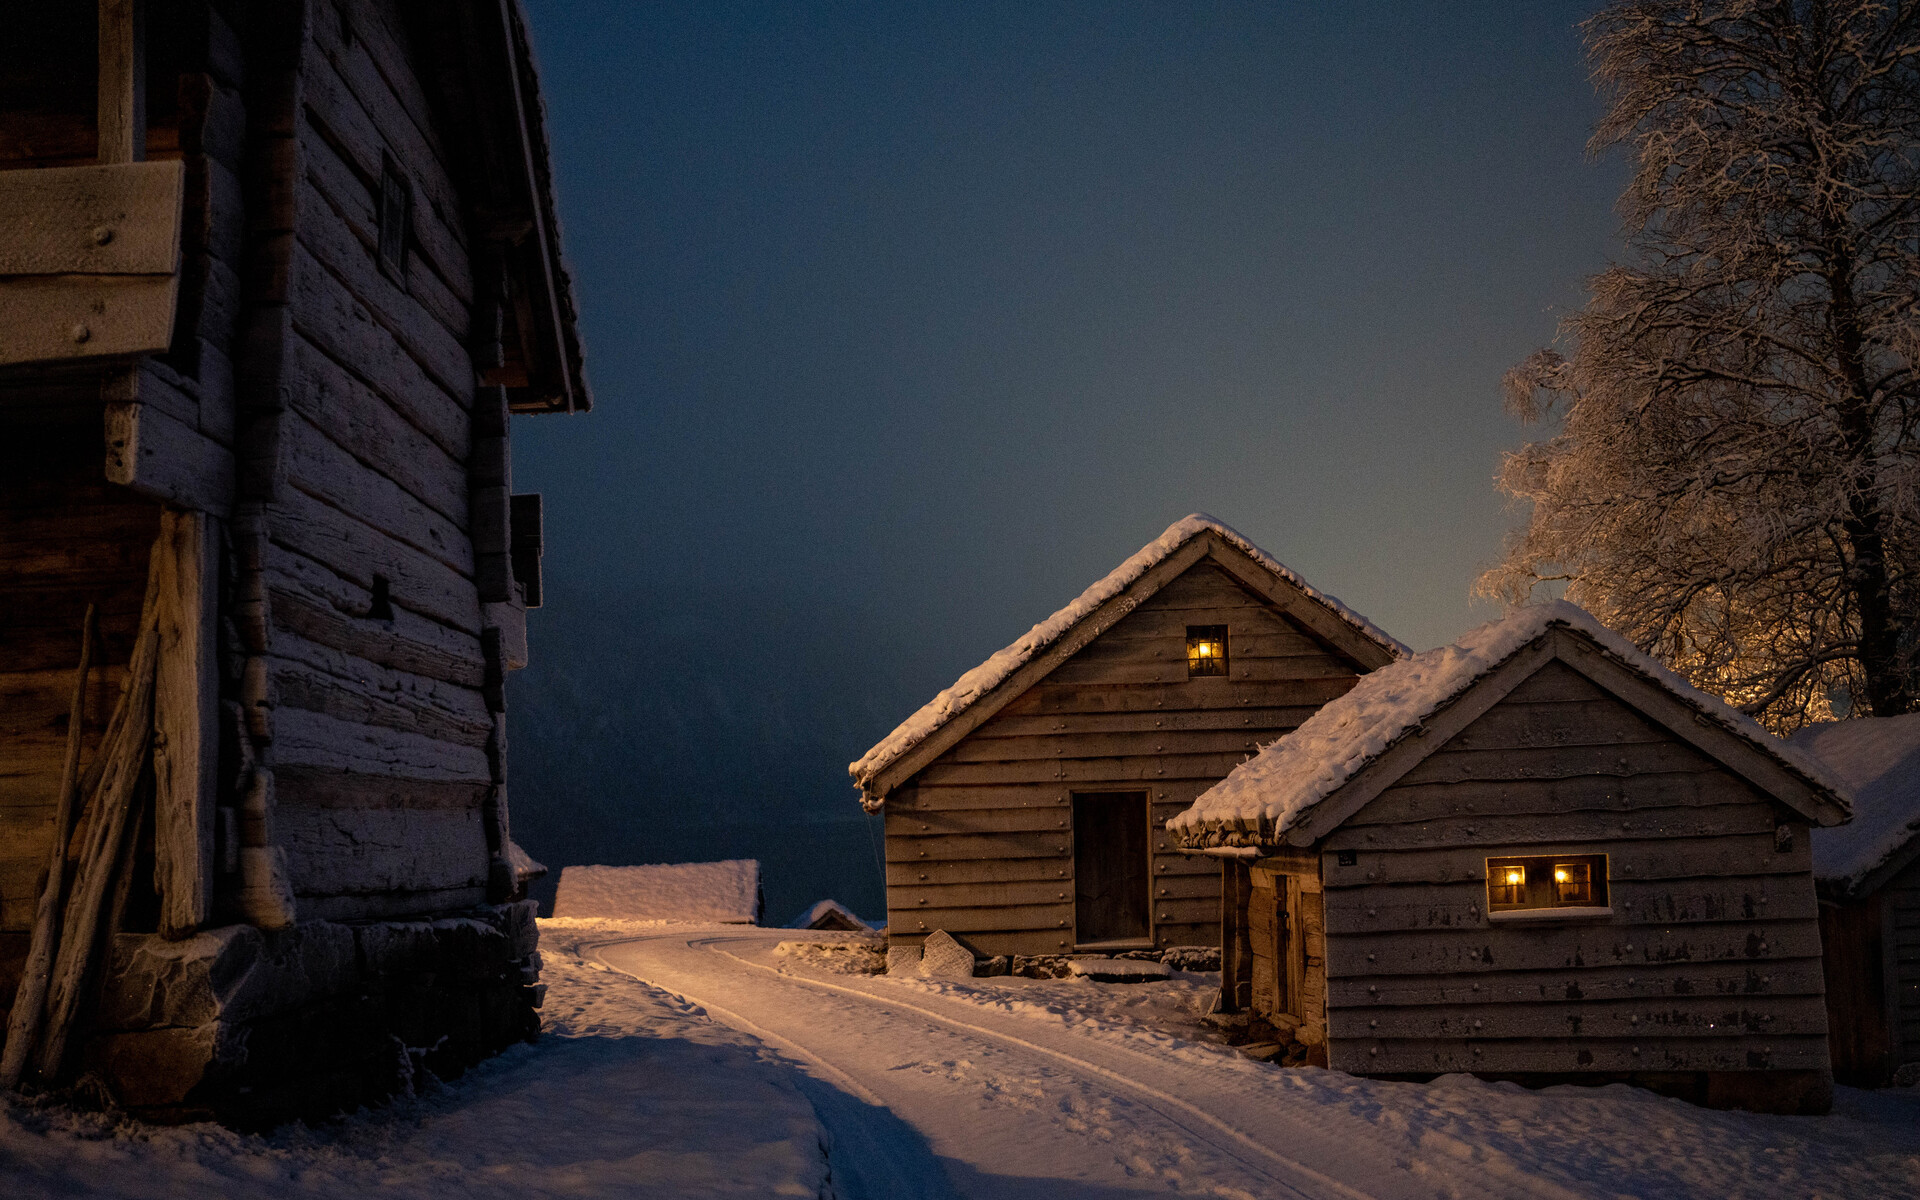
{"points": [[124, 753], [23, 1022]]}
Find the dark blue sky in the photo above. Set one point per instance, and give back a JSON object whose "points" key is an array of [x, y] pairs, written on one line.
{"points": [[937, 312]]}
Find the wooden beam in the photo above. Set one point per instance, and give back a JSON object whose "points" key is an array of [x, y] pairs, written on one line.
{"points": [[106, 220], [122, 113], [186, 721], [157, 455]]}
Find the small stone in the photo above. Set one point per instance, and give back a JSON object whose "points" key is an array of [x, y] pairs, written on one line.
{"points": [[943, 958]]}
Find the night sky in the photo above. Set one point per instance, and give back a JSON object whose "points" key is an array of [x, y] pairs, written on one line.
{"points": [[906, 323]]}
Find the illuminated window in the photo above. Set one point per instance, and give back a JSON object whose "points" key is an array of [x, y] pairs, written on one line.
{"points": [[1206, 650], [1573, 882], [1546, 881], [1509, 884]]}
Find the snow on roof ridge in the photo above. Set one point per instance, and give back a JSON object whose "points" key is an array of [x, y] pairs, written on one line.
{"points": [[1003, 663], [1273, 789], [1878, 758]]}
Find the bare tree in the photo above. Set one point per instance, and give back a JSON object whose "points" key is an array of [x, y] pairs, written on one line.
{"points": [[1733, 480]]}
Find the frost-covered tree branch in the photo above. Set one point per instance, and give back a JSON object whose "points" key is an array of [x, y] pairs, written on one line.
{"points": [[1733, 479]]}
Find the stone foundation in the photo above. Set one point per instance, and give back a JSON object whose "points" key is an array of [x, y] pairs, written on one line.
{"points": [[254, 1028]]}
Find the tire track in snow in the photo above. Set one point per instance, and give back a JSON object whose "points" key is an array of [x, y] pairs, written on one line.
{"points": [[1491, 1173], [1158, 1101]]}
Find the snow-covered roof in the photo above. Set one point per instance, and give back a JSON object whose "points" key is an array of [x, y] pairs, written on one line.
{"points": [[727, 891], [828, 914], [1272, 790], [991, 673], [1878, 758]]}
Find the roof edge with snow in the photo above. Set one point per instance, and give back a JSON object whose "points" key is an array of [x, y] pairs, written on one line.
{"points": [[983, 680], [1282, 789]]}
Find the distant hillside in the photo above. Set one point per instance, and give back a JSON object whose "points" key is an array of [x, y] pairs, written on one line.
{"points": [[676, 726]]}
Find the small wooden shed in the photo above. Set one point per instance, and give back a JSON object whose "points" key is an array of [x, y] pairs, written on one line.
{"points": [[1868, 878], [1535, 855], [1024, 805], [273, 275]]}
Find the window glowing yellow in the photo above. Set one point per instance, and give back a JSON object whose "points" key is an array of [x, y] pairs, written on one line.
{"points": [[1511, 885], [1206, 650]]}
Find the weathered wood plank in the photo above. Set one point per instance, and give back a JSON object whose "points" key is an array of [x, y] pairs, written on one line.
{"points": [[1196, 865], [1113, 646], [917, 898], [1511, 948], [1157, 620], [317, 465], [1151, 743], [1512, 797], [1448, 765], [1515, 725], [1186, 911], [365, 423], [1205, 585], [158, 456], [359, 133], [357, 551], [975, 871], [1086, 771], [1268, 722], [50, 220], [1053, 696], [186, 719], [956, 847], [1576, 1056], [969, 920], [1100, 672], [1683, 858], [60, 318], [322, 679], [312, 601], [336, 245], [1461, 906], [1724, 981], [978, 820], [1495, 832], [947, 799], [1557, 683], [1187, 887], [351, 199], [326, 313], [311, 739]]}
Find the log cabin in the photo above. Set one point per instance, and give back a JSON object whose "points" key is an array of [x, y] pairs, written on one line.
{"points": [[273, 276], [1867, 875], [1023, 805], [1534, 855]]}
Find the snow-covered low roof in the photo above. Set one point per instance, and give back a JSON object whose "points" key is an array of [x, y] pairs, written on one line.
{"points": [[727, 891], [1272, 790], [991, 673], [1878, 758]]}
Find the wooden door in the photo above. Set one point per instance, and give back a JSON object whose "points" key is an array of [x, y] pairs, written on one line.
{"points": [[1111, 886]]}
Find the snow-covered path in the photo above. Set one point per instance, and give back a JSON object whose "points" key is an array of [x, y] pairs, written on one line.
{"points": [[1016, 1107], [970, 1090]]}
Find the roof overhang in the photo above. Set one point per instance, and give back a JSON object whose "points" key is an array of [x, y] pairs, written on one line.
{"points": [[1340, 635], [1739, 754], [478, 63]]}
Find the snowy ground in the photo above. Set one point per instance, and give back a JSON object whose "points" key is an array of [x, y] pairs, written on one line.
{"points": [[746, 1071]]}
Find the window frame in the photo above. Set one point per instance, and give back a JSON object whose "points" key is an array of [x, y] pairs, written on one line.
{"points": [[1541, 889], [1211, 666]]}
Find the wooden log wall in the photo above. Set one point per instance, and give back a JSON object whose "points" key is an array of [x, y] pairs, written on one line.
{"points": [[979, 843], [1900, 915], [1710, 961], [67, 538], [381, 735]]}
